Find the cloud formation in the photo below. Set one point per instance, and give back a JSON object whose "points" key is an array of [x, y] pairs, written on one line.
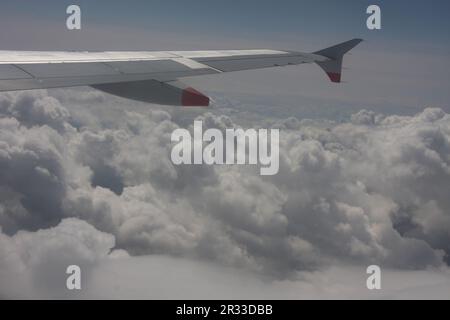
{"points": [[369, 190]]}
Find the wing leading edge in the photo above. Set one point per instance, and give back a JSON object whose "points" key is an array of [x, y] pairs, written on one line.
{"points": [[150, 76]]}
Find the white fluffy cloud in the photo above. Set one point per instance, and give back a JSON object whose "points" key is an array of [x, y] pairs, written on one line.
{"points": [[371, 190]]}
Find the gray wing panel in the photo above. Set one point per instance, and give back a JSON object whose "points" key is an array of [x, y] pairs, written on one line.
{"points": [[236, 63], [54, 70], [86, 69], [136, 67], [59, 82], [54, 75], [11, 72]]}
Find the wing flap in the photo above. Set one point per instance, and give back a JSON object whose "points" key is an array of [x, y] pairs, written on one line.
{"points": [[61, 82], [237, 63], [136, 67], [174, 93], [55, 70]]}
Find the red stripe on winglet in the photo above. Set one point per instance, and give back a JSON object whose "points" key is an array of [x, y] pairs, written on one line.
{"points": [[334, 77], [193, 98]]}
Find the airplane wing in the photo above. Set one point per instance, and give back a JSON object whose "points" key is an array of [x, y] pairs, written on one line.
{"points": [[150, 76]]}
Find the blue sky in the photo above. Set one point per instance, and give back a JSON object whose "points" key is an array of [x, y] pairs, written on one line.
{"points": [[413, 21]]}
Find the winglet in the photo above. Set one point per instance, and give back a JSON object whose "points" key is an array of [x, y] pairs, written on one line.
{"points": [[333, 67]]}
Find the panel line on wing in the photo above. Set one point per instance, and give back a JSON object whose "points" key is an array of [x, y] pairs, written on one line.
{"points": [[20, 69]]}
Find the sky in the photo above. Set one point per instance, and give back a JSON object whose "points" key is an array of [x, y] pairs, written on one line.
{"points": [[86, 177], [405, 21]]}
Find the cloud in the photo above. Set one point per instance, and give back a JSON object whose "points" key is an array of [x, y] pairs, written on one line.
{"points": [[368, 190], [174, 278], [32, 176], [35, 109], [118, 276], [36, 262]]}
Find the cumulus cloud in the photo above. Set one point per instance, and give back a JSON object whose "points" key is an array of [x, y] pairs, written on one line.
{"points": [[32, 175], [35, 109], [369, 190]]}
